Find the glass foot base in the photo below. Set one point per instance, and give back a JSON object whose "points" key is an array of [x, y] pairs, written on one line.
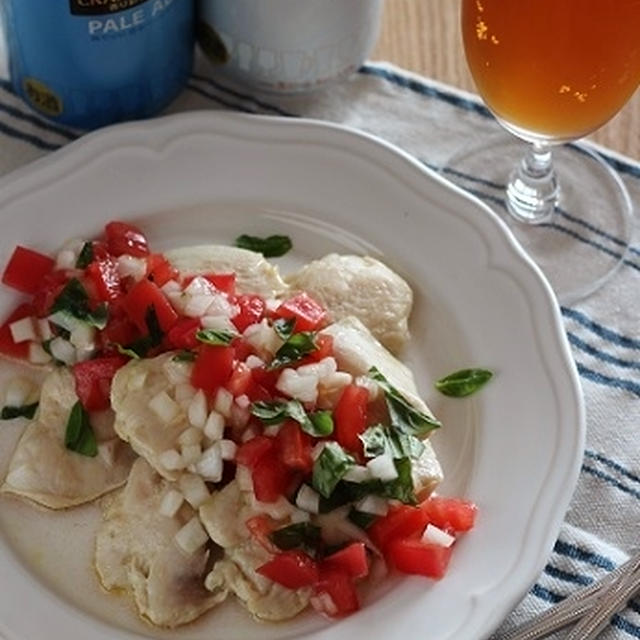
{"points": [[587, 236]]}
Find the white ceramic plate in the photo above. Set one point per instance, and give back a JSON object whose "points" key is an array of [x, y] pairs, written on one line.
{"points": [[515, 448]]}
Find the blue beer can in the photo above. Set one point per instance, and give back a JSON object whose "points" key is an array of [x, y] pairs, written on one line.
{"points": [[88, 63]]}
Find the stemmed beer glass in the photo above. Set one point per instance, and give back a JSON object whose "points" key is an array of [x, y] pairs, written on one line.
{"points": [[553, 71]]}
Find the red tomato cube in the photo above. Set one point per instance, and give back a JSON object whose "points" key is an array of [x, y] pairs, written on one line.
{"points": [[401, 521], [7, 346], [411, 555], [252, 310], [450, 513], [251, 451], [26, 269], [270, 478], [338, 585], [212, 368], [294, 447], [159, 269], [103, 274], [291, 569], [124, 238], [183, 334], [93, 381], [141, 297], [309, 314], [350, 417], [352, 559]]}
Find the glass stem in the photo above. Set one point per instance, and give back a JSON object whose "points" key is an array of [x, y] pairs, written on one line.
{"points": [[532, 191]]}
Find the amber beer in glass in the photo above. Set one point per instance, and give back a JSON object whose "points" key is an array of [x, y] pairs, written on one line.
{"points": [[554, 68], [553, 71]]}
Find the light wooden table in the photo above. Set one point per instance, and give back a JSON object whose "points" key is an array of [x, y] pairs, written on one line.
{"points": [[423, 36]]}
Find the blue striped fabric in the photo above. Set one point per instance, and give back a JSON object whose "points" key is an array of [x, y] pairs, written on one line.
{"points": [[431, 122]]}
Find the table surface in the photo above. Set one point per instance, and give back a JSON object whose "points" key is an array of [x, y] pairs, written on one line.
{"points": [[423, 36]]}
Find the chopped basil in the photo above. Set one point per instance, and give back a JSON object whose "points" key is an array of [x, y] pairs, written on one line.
{"points": [[216, 337], [153, 325], [295, 348], [302, 535], [404, 416], [26, 411], [127, 351], [361, 519], [73, 301], [316, 424], [402, 487], [346, 492], [284, 327], [330, 467], [85, 257], [79, 436], [270, 247], [464, 382], [378, 440], [184, 356]]}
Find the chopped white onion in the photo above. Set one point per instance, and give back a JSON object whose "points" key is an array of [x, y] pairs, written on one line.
{"points": [[64, 320], [63, 351], [253, 362], [324, 368], [177, 372], [214, 426], [374, 505], [198, 410], [191, 435], [243, 401], [23, 330], [66, 259], [220, 306], [171, 460], [171, 503], [370, 385], [358, 473], [278, 510], [383, 467], [248, 434], [301, 387], [435, 535], [194, 489], [130, 267], [83, 337], [164, 406], [308, 500], [323, 603], [263, 338], [336, 380], [337, 528], [228, 449], [223, 402], [196, 306], [210, 465], [273, 430], [218, 323], [137, 380], [191, 453], [37, 355], [183, 393], [17, 391], [192, 536], [44, 329], [171, 286], [199, 286], [299, 515], [239, 416]]}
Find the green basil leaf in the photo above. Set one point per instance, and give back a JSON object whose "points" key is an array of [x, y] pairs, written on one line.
{"points": [[284, 327], [153, 325], [127, 351], [361, 519], [85, 257], [216, 337], [379, 439], [79, 436], [317, 424], [184, 356], [73, 300], [302, 535], [46, 345], [464, 382], [26, 411], [99, 317], [404, 416], [294, 349], [402, 487], [346, 492], [330, 467], [322, 423], [270, 247]]}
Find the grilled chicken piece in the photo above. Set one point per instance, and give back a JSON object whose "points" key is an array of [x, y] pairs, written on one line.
{"points": [[136, 552], [356, 351], [45, 471], [133, 387], [363, 287], [253, 273]]}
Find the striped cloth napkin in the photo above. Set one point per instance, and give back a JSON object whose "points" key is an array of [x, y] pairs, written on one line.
{"points": [[431, 122]]}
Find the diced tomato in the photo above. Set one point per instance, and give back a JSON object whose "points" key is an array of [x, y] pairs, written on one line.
{"points": [[291, 569], [93, 381], [400, 522], [266, 379], [252, 309], [352, 559], [270, 477], [411, 555], [260, 527], [141, 297], [212, 368], [240, 380], [7, 346], [309, 314], [350, 417], [183, 334], [324, 349], [225, 282], [124, 238], [26, 269], [103, 273], [338, 585], [251, 451], [120, 329], [243, 349], [159, 269], [49, 289], [294, 447], [450, 513]]}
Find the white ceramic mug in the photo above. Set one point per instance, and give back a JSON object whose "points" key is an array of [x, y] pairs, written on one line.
{"points": [[289, 46]]}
